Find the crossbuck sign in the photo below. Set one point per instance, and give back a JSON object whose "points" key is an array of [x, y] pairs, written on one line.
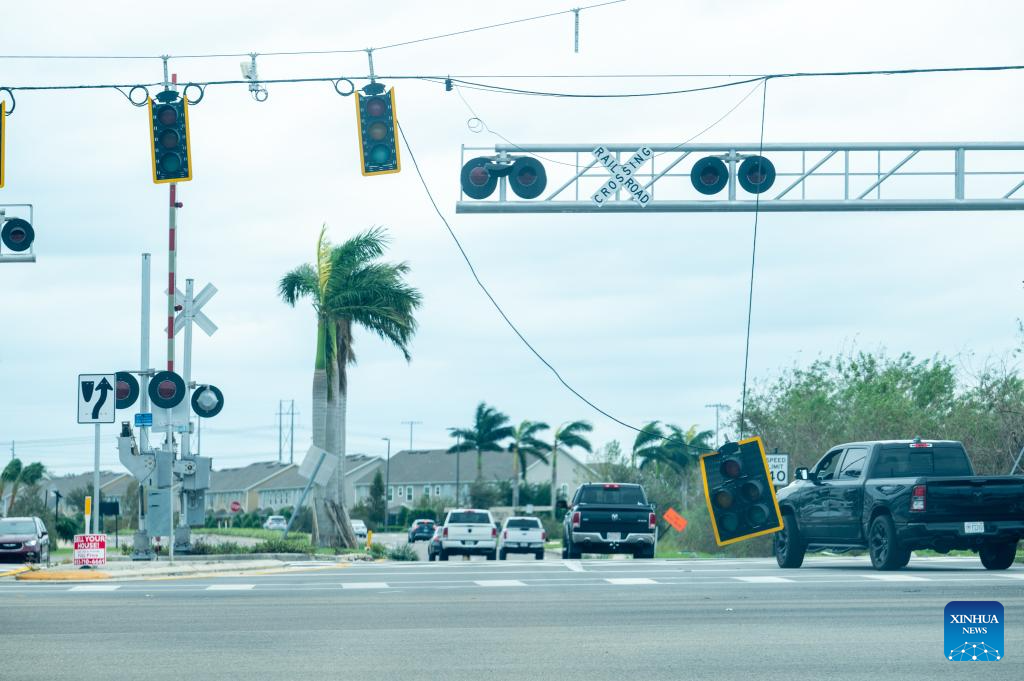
{"points": [[622, 175]]}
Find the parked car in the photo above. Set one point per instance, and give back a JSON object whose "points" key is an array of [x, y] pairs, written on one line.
{"points": [[609, 518], [421, 529], [520, 534], [434, 544], [469, 532], [276, 522], [895, 496], [24, 540], [359, 527]]}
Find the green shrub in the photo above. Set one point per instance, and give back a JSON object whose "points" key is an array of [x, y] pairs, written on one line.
{"points": [[403, 552], [284, 546], [378, 550], [201, 548]]}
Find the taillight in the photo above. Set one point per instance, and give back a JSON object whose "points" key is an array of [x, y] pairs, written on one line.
{"points": [[543, 536], [494, 533], [505, 534], [652, 520], [611, 485], [575, 520], [917, 498], [444, 533]]}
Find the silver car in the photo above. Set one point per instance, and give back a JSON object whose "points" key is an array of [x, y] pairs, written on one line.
{"points": [[276, 522]]}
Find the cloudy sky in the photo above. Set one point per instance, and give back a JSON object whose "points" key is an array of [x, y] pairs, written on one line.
{"points": [[644, 314]]}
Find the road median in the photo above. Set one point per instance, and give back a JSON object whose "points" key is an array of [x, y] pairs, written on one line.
{"points": [[125, 571]]}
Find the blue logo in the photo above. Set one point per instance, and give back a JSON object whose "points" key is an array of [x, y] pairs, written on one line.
{"points": [[973, 631]]}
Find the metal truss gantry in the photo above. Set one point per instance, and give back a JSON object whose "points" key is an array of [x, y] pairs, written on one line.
{"points": [[890, 176]]}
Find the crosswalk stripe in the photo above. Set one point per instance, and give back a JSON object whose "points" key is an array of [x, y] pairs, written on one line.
{"points": [[624, 581], [230, 587], [95, 587], [1018, 575], [364, 585], [896, 578], [499, 582], [765, 580], [573, 565]]}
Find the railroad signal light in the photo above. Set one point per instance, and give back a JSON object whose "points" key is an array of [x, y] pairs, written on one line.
{"points": [[207, 401], [169, 138], [709, 175], [478, 178], [126, 390], [756, 174], [378, 132], [527, 178], [17, 234], [166, 389], [739, 492]]}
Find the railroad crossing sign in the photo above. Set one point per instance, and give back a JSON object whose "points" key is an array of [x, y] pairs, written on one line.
{"points": [[96, 398], [622, 175], [198, 316]]}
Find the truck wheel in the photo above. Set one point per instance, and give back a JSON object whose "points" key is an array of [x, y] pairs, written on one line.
{"points": [[443, 555], [884, 545], [540, 555], [502, 554], [646, 553], [998, 556], [493, 555], [572, 552], [565, 551], [789, 545]]}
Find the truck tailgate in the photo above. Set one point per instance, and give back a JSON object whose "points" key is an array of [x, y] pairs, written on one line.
{"points": [[465, 532], [975, 498], [612, 519]]}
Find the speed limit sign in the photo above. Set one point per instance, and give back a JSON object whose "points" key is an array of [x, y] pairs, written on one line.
{"points": [[778, 466]]}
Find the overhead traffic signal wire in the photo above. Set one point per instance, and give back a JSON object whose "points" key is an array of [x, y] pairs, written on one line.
{"points": [[497, 306]]}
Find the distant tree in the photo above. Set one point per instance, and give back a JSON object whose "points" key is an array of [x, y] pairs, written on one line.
{"points": [[377, 501], [27, 476], [567, 436], [8, 476], [490, 428], [76, 498], [524, 444], [673, 449]]}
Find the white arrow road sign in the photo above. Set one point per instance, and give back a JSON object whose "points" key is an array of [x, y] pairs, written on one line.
{"points": [[200, 318], [97, 396], [622, 175]]}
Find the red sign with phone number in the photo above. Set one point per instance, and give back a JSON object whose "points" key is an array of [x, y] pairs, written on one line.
{"points": [[90, 549]]}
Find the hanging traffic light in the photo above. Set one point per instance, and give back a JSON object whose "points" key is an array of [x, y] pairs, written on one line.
{"points": [[378, 141], [17, 234], [739, 493], [756, 174], [3, 139], [709, 175], [166, 389], [169, 138]]}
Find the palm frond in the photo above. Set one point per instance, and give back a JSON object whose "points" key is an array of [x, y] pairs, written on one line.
{"points": [[299, 283]]}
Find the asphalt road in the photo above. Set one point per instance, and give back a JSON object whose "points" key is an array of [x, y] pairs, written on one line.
{"points": [[540, 620]]}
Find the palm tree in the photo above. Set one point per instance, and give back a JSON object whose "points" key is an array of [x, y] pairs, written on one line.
{"points": [[10, 474], [525, 443], [567, 436], [490, 427], [676, 449], [348, 287], [26, 476]]}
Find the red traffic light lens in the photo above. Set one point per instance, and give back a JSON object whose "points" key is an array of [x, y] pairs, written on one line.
{"points": [[731, 468], [169, 139], [377, 131], [709, 176], [166, 389], [17, 236], [723, 499], [526, 176], [123, 390], [751, 491], [376, 107], [479, 176], [170, 163], [166, 115]]}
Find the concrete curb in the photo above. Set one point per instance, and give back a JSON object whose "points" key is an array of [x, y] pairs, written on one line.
{"points": [[61, 576]]}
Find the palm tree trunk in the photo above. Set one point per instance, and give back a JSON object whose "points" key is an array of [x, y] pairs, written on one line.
{"points": [[684, 488], [322, 435], [515, 478], [479, 464], [554, 474]]}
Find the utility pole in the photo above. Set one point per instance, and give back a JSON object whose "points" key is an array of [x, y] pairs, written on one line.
{"points": [[281, 436], [387, 482], [280, 430], [291, 435], [411, 424], [717, 406], [458, 460]]}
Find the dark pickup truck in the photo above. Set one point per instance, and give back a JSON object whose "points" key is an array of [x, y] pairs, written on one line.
{"points": [[609, 518], [892, 497]]}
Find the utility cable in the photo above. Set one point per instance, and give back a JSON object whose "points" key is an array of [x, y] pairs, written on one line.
{"points": [[497, 306]]}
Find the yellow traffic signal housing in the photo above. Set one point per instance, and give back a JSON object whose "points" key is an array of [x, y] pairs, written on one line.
{"points": [[3, 140], [378, 133], [169, 141], [739, 493]]}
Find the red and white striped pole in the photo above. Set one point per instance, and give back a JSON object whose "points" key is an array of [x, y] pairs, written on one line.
{"points": [[172, 261]]}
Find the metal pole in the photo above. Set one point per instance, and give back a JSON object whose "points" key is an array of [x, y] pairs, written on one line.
{"points": [[291, 436], [280, 430], [144, 353], [186, 444], [302, 499], [170, 496], [411, 424], [172, 261], [576, 38], [458, 460], [96, 480]]}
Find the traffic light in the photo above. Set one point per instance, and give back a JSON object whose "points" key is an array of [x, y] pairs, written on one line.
{"points": [[478, 177], [17, 234], [709, 175], [169, 139], [739, 493], [207, 401], [166, 389], [526, 176], [756, 174], [378, 141], [126, 390]]}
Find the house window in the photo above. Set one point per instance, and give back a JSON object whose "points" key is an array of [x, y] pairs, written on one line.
{"points": [[437, 490], [391, 493], [408, 493], [426, 491], [401, 491]]}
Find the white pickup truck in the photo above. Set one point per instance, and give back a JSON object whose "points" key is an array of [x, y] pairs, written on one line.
{"points": [[521, 535], [469, 532]]}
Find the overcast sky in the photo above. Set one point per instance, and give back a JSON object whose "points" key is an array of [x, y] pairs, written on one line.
{"points": [[644, 314]]}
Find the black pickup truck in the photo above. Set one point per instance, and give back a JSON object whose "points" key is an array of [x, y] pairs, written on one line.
{"points": [[609, 518], [895, 496]]}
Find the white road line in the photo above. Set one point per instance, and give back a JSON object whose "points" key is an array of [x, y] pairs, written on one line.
{"points": [[96, 587], [230, 587], [1019, 575], [499, 582], [364, 585], [896, 578], [765, 580], [573, 565], [623, 581]]}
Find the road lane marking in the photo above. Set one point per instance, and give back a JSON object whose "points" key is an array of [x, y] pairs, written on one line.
{"points": [[897, 578], [364, 585], [230, 587], [1019, 575], [573, 565], [96, 587], [499, 582], [765, 580], [623, 581]]}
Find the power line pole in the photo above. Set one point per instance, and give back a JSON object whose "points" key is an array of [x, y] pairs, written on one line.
{"points": [[411, 424], [291, 435], [280, 429], [717, 406], [387, 484]]}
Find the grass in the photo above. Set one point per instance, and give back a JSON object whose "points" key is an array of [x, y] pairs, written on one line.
{"points": [[253, 532]]}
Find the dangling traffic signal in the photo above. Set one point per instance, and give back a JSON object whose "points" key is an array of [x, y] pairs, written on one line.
{"points": [[739, 493], [169, 139], [166, 389], [378, 141], [3, 139], [17, 234], [756, 174], [709, 175]]}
